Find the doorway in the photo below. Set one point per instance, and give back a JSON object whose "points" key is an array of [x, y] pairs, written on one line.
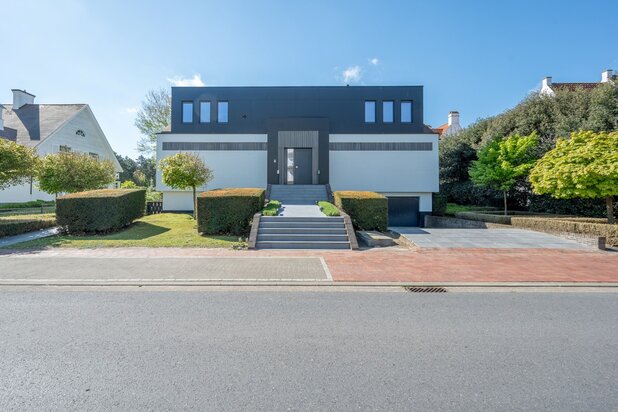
{"points": [[298, 166]]}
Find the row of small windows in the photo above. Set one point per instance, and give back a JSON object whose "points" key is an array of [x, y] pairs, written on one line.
{"points": [[388, 114], [187, 112]]}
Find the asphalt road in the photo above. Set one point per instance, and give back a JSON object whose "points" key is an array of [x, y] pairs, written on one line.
{"points": [[285, 350]]}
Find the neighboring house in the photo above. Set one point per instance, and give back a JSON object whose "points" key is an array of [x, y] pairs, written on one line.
{"points": [[351, 137], [50, 128], [451, 127], [549, 88]]}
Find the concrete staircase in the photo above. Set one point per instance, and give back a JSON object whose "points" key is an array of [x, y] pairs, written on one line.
{"points": [[279, 232], [306, 228], [298, 194]]}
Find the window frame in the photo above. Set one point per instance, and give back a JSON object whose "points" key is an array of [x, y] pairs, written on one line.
{"points": [[209, 103], [392, 111], [182, 111], [375, 107], [402, 111], [227, 111]]}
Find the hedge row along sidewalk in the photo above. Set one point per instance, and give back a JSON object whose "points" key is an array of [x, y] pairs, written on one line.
{"points": [[16, 225], [367, 210], [100, 211], [228, 211]]}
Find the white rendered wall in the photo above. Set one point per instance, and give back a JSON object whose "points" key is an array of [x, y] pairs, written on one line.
{"points": [[241, 168], [394, 172]]}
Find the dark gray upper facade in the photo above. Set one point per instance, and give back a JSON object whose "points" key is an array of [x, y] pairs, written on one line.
{"points": [[342, 108]]}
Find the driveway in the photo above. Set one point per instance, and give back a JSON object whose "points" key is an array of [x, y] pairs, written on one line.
{"points": [[486, 239]]}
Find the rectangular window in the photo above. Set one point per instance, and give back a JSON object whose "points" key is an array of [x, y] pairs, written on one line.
{"points": [[64, 148], [370, 111], [204, 112], [387, 111], [406, 112], [222, 114], [187, 112]]}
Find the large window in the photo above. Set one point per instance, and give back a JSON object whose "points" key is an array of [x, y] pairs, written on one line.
{"points": [[387, 111], [204, 112], [406, 112], [187, 112], [370, 111], [222, 114]]}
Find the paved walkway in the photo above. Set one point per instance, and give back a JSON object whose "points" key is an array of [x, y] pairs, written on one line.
{"points": [[486, 238], [375, 265], [301, 211], [12, 240]]}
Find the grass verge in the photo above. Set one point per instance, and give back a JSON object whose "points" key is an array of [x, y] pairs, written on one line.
{"points": [[328, 208]]}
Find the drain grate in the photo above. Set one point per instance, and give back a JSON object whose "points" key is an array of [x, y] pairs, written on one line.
{"points": [[422, 289]]}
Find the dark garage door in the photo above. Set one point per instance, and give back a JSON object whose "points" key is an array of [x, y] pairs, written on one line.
{"points": [[403, 211]]}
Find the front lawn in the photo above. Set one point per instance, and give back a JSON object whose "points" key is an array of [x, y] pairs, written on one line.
{"points": [[161, 230]]}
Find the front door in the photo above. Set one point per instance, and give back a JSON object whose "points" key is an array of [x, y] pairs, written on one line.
{"points": [[298, 166]]}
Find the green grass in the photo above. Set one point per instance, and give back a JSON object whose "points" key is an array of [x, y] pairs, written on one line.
{"points": [[162, 230], [328, 208], [452, 208], [271, 208]]}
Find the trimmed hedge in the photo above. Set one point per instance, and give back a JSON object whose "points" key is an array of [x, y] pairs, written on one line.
{"points": [[569, 225], [484, 217], [367, 210], [16, 225], [228, 211], [438, 205], [100, 211]]}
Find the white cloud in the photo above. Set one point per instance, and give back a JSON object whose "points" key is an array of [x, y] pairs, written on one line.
{"points": [[352, 74], [132, 110], [374, 61], [196, 80]]}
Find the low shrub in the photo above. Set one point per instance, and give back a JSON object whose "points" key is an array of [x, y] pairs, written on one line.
{"points": [[100, 211], [484, 217], [27, 205], [271, 208], [367, 210], [228, 211], [578, 207], [16, 225], [438, 205], [569, 225], [328, 208]]}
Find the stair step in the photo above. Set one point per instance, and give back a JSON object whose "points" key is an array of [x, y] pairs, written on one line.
{"points": [[302, 230], [305, 237], [334, 225], [302, 245], [336, 219]]}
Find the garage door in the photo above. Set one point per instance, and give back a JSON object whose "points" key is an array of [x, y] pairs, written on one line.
{"points": [[403, 211]]}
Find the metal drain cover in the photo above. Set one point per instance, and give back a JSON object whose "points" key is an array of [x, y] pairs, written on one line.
{"points": [[423, 289]]}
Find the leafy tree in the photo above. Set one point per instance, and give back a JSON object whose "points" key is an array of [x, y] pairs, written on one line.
{"points": [[456, 155], [584, 166], [147, 166], [153, 117], [128, 184], [17, 163], [73, 172], [129, 166], [503, 162], [185, 170]]}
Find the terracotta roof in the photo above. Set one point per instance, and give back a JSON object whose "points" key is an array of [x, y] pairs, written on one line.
{"points": [[441, 129]]}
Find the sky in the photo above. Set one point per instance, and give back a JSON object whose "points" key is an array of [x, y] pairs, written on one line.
{"points": [[477, 57]]}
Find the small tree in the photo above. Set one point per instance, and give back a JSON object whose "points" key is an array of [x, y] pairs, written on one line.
{"points": [[503, 161], [584, 166], [185, 170], [17, 163], [73, 172], [153, 117]]}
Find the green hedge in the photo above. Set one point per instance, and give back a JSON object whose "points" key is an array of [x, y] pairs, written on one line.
{"points": [[228, 211], [367, 210], [100, 211], [570, 225], [484, 217], [11, 226], [271, 208], [328, 208], [438, 205]]}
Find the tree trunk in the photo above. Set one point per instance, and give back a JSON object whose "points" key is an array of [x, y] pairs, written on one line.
{"points": [[194, 204], [504, 202], [609, 201]]}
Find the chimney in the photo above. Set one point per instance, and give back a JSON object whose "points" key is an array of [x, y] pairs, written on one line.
{"points": [[607, 75], [21, 98], [453, 124], [546, 82]]}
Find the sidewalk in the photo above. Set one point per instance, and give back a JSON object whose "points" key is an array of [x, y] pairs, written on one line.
{"points": [[373, 266]]}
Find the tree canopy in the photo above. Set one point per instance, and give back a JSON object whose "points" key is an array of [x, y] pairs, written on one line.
{"points": [[584, 166], [152, 118], [185, 170], [17, 163], [503, 161], [73, 172]]}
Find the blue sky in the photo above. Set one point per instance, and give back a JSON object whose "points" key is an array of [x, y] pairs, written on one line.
{"points": [[476, 57]]}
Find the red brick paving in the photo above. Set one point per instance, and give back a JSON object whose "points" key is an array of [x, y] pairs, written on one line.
{"points": [[422, 265]]}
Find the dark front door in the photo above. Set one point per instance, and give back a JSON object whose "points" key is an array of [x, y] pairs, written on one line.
{"points": [[403, 211], [302, 166]]}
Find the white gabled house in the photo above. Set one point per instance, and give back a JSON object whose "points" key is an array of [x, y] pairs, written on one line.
{"points": [[50, 128]]}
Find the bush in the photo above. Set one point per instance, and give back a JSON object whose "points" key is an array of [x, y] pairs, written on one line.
{"points": [[569, 225], [27, 205], [17, 225], [328, 208], [438, 205], [100, 211], [579, 207], [271, 208], [484, 217], [367, 210], [228, 211]]}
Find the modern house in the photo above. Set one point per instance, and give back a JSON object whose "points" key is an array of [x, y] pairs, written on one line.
{"points": [[50, 128], [348, 137], [549, 88], [451, 127]]}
